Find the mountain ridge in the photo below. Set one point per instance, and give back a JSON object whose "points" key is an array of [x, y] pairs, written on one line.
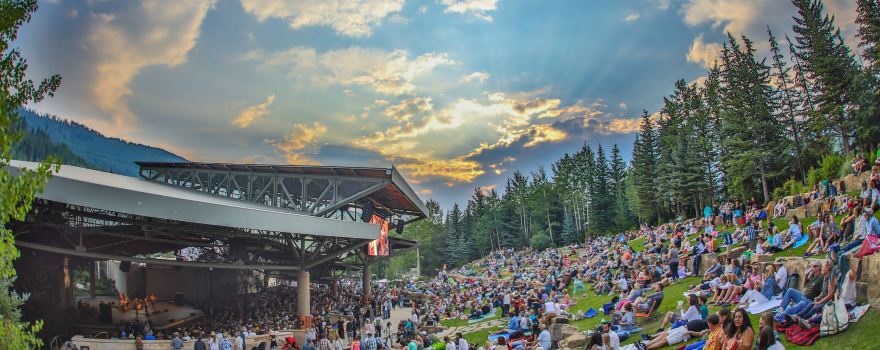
{"points": [[101, 152]]}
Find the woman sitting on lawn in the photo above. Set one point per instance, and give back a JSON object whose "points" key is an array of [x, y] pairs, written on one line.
{"points": [[763, 288], [692, 313], [794, 233], [741, 283], [740, 335]]}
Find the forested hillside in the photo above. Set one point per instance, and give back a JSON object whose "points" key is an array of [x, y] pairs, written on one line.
{"points": [[100, 152]]}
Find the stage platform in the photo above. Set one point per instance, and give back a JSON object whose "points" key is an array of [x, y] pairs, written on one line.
{"points": [[166, 314]]}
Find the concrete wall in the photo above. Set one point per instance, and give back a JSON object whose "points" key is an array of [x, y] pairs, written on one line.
{"points": [[116, 344]]}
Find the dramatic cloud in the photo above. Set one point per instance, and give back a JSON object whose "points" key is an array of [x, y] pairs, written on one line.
{"points": [[355, 18], [541, 133], [391, 73], [704, 53], [478, 76], [751, 17], [251, 113], [406, 109], [479, 8], [302, 137], [139, 35]]}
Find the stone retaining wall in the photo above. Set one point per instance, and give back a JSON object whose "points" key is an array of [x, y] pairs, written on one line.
{"points": [[118, 344]]}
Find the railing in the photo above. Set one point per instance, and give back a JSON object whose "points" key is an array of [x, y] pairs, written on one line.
{"points": [[53, 344]]}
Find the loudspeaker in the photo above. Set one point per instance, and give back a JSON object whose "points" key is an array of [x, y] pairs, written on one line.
{"points": [[125, 266], [367, 212], [178, 298], [399, 228]]}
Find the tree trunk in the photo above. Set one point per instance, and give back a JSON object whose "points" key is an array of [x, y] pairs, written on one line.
{"points": [[764, 185]]}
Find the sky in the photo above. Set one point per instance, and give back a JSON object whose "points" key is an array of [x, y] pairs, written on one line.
{"points": [[457, 94]]}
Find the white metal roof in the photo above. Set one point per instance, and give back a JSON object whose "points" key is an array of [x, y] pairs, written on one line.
{"points": [[106, 191]]}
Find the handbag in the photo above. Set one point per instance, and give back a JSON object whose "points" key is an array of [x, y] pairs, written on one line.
{"points": [[835, 319]]}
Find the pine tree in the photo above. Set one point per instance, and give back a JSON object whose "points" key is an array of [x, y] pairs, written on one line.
{"points": [[453, 236], [829, 63], [788, 112], [866, 82], [868, 20], [754, 150], [645, 171], [602, 202], [622, 216]]}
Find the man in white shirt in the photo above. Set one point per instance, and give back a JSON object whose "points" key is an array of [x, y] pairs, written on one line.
{"points": [[610, 338], [462, 344], [549, 311], [544, 339], [781, 278], [450, 345], [505, 307]]}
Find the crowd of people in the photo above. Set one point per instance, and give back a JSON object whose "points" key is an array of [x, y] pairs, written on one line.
{"points": [[530, 288], [534, 287]]}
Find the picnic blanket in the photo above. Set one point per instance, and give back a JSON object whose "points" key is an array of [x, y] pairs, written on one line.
{"points": [[758, 308], [857, 312], [804, 239], [494, 337], [483, 317], [591, 312]]}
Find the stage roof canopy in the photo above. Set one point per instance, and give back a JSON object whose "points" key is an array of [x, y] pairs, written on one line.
{"points": [[106, 191]]}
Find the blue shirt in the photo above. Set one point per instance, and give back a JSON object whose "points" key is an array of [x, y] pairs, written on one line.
{"points": [[514, 324], [873, 226], [794, 232]]}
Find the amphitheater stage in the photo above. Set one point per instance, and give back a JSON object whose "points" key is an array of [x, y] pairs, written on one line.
{"points": [[165, 314]]}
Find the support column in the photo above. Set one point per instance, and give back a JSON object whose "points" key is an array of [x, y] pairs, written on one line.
{"points": [[366, 284], [93, 279], [66, 292], [304, 298]]}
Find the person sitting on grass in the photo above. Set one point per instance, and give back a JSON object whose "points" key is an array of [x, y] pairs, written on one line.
{"points": [[779, 209], [774, 241], [740, 281], [794, 233], [762, 289], [682, 317], [794, 301], [740, 335], [694, 328], [825, 235], [767, 333], [647, 304]]}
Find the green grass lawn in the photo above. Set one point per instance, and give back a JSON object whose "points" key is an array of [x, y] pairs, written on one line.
{"points": [[637, 244]]}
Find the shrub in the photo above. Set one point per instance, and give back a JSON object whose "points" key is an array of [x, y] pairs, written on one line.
{"points": [[831, 165], [540, 242]]}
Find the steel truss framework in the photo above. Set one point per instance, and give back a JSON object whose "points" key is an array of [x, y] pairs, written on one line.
{"points": [[102, 234], [340, 193]]}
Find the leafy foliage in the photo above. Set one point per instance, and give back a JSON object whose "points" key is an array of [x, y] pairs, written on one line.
{"points": [[19, 189]]}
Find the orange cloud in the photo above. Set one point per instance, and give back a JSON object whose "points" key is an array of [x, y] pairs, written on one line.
{"points": [[298, 140], [251, 113]]}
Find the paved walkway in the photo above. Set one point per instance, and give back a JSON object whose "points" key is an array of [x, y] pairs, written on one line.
{"points": [[492, 325]]}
